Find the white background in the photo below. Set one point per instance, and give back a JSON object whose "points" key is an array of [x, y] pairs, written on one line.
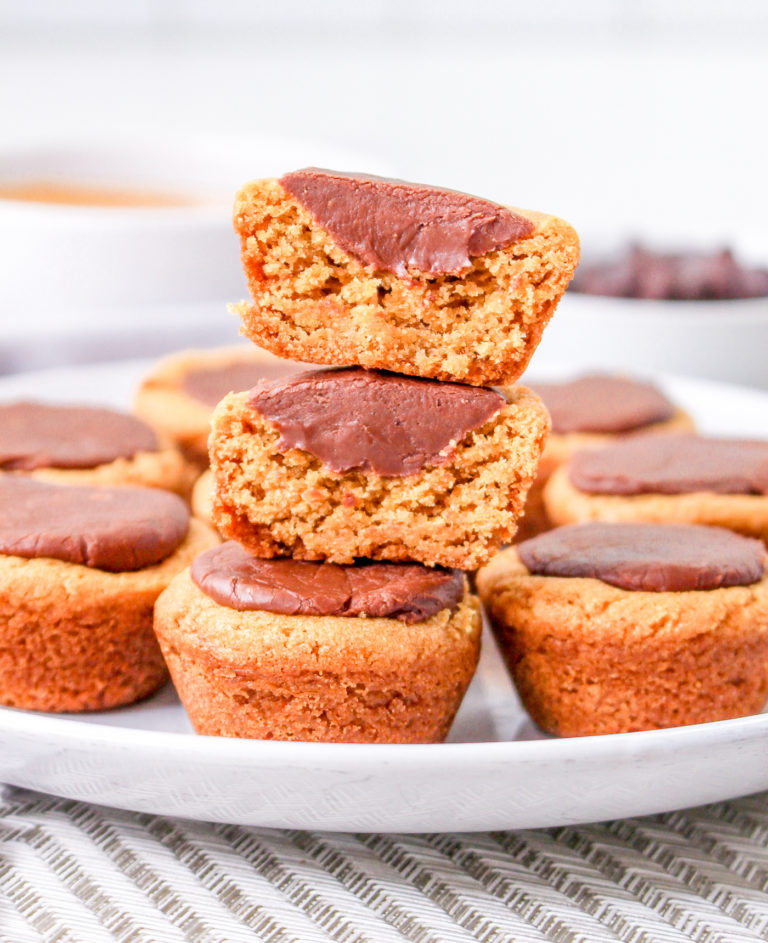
{"points": [[622, 116], [637, 112]]}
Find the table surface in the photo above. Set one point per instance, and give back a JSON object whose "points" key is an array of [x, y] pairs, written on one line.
{"points": [[70, 871]]}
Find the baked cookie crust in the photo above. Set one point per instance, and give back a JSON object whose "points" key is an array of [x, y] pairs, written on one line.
{"points": [[73, 638], [270, 676], [315, 303], [201, 501], [162, 401], [743, 513], [560, 447], [456, 514], [589, 658], [165, 468]]}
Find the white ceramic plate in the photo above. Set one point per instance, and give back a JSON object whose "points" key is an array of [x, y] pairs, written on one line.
{"points": [[496, 771]]}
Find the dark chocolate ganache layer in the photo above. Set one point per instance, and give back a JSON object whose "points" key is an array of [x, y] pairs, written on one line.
{"points": [[41, 435], [403, 227], [370, 420], [603, 404], [209, 385], [655, 558], [673, 464], [406, 591], [113, 529]]}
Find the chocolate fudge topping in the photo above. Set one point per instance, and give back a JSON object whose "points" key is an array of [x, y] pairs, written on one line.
{"points": [[41, 435], [655, 558], [114, 529], [603, 404], [679, 276], [406, 591], [674, 464], [367, 419], [209, 385], [403, 227]]}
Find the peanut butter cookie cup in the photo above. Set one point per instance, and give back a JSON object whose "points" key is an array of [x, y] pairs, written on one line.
{"points": [[289, 650], [88, 445], [80, 570], [340, 464], [676, 478], [350, 269], [608, 628]]}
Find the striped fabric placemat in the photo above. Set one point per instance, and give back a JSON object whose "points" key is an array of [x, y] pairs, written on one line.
{"points": [[75, 873]]}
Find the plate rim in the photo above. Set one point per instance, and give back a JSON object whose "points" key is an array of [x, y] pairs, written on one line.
{"points": [[234, 749]]}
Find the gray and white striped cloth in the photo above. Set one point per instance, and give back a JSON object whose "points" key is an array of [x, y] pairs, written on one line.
{"points": [[76, 873]]}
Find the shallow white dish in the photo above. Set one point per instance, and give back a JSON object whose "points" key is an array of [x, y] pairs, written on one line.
{"points": [[720, 340], [715, 340], [75, 267], [497, 771]]}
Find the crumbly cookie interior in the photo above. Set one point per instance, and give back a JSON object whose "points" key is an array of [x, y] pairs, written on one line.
{"points": [[314, 302], [456, 514]]}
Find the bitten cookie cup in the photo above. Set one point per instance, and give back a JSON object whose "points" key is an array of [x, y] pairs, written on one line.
{"points": [[272, 676], [76, 638], [80, 445], [706, 501], [453, 512], [178, 396], [357, 270], [591, 412], [592, 658]]}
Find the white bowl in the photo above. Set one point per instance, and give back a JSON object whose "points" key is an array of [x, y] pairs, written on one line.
{"points": [[716, 340], [73, 268]]}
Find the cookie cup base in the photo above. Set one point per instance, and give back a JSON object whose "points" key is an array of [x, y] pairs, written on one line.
{"points": [[589, 658], [269, 676], [74, 638], [166, 469]]}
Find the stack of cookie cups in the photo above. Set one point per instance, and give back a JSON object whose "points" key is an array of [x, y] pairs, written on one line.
{"points": [[354, 500]]}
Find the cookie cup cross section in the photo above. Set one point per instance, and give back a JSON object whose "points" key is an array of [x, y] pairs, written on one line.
{"points": [[455, 514], [314, 302]]}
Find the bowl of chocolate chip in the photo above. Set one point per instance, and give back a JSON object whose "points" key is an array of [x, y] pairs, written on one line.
{"points": [[699, 311]]}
